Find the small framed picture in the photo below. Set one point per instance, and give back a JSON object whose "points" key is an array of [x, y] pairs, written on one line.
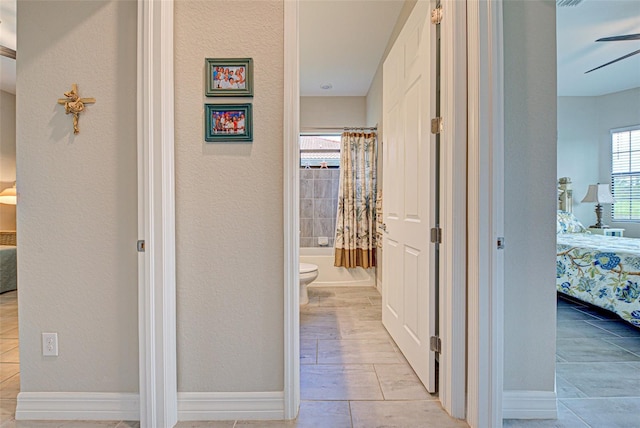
{"points": [[228, 77], [228, 122]]}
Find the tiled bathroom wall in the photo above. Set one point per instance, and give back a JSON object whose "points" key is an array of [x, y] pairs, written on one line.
{"points": [[318, 205]]}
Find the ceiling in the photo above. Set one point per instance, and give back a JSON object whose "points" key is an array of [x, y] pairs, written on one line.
{"points": [[342, 42], [578, 28]]}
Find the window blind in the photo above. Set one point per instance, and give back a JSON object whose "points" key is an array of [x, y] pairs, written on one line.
{"points": [[625, 174]]}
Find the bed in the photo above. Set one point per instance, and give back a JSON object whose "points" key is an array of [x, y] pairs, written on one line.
{"points": [[600, 270], [8, 269]]}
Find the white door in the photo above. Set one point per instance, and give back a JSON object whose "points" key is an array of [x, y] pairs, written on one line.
{"points": [[409, 184]]}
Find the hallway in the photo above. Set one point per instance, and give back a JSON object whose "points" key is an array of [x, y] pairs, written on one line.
{"points": [[352, 374]]}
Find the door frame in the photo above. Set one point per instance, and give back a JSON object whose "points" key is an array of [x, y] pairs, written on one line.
{"points": [[291, 210], [156, 216], [453, 200], [485, 201]]}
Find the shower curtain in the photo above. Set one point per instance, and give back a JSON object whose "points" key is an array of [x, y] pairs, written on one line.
{"points": [[355, 243]]}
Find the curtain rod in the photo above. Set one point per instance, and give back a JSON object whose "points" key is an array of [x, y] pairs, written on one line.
{"points": [[372, 128], [335, 128]]}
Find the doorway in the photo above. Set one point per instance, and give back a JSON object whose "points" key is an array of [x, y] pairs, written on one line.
{"points": [[454, 387], [595, 346]]}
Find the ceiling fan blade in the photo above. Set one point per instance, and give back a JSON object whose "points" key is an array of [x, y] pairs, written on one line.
{"points": [[619, 38], [8, 52], [615, 60]]}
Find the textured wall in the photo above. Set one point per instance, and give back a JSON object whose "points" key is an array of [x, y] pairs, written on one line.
{"points": [[530, 195], [7, 156], [318, 205], [77, 216], [229, 207]]}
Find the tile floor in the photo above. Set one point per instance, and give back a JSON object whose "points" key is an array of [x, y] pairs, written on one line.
{"points": [[353, 376], [597, 376], [351, 372]]}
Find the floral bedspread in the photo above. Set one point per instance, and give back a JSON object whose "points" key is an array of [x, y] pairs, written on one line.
{"points": [[601, 270]]}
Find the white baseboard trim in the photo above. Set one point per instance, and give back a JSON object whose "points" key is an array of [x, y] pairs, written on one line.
{"points": [[78, 406], [217, 406], [529, 405]]}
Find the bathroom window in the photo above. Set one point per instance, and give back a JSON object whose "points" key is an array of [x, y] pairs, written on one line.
{"points": [[319, 151]]}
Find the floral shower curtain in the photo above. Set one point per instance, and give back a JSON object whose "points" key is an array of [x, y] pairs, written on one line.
{"points": [[355, 243]]}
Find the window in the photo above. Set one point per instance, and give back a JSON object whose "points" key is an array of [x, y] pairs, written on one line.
{"points": [[318, 151], [625, 173]]}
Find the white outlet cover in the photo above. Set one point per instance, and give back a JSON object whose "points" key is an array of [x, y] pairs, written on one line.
{"points": [[50, 344]]}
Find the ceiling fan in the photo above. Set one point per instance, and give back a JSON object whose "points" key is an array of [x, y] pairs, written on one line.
{"points": [[617, 39], [8, 52]]}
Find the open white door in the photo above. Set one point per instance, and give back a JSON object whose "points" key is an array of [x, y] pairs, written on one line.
{"points": [[409, 191]]}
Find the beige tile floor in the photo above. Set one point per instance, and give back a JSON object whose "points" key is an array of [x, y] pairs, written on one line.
{"points": [[352, 374]]}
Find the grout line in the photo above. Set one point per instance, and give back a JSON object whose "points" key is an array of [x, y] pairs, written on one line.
{"points": [[574, 413], [379, 384], [637, 354], [350, 414]]}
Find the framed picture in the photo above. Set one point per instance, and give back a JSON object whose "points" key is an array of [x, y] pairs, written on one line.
{"points": [[228, 122], [228, 77]]}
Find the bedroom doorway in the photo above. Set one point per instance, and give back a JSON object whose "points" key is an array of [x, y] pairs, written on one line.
{"points": [[597, 350], [9, 340]]}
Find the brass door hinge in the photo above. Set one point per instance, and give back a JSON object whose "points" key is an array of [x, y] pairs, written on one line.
{"points": [[436, 235], [435, 344], [437, 125], [436, 15]]}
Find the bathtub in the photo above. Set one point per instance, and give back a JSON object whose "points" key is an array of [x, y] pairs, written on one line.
{"points": [[329, 275]]}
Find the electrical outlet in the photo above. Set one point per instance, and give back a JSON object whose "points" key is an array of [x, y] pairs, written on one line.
{"points": [[50, 344]]}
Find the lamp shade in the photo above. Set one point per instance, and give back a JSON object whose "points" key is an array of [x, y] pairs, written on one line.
{"points": [[9, 196], [599, 193]]}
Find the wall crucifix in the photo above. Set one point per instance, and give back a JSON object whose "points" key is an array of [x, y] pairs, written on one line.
{"points": [[74, 105]]}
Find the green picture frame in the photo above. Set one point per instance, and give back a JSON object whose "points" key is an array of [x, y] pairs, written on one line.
{"points": [[228, 123], [229, 77]]}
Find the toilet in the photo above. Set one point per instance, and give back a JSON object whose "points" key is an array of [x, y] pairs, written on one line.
{"points": [[308, 274]]}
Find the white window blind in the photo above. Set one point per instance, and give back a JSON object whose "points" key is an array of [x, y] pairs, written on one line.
{"points": [[625, 173]]}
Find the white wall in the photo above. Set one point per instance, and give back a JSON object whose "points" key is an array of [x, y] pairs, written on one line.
{"points": [[584, 146], [578, 150], [530, 196], [229, 206], [7, 156], [332, 112], [77, 215]]}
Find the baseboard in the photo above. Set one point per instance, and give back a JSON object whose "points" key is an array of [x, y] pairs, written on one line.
{"points": [[78, 406], [219, 406], [529, 405]]}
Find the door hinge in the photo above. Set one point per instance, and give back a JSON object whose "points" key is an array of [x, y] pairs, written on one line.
{"points": [[437, 125], [436, 235], [436, 15], [500, 243], [435, 344], [141, 246]]}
